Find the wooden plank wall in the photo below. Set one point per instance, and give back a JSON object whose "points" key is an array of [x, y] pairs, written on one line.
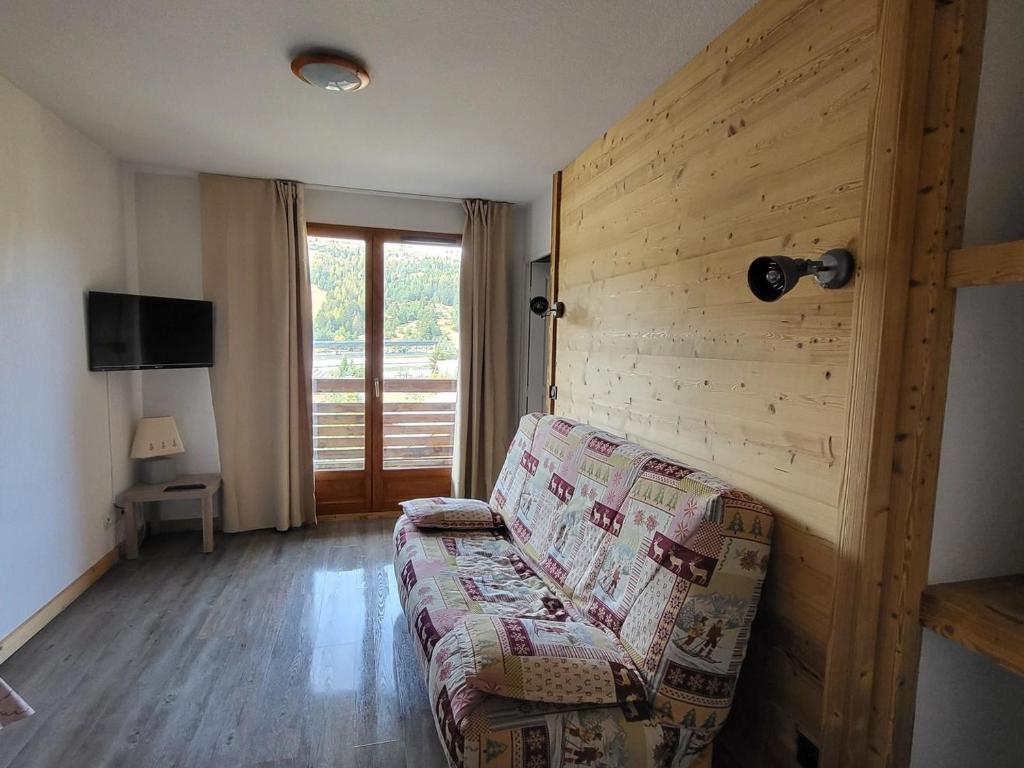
{"points": [[756, 147]]}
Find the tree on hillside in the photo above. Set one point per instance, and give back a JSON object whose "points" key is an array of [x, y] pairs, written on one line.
{"points": [[421, 289]]}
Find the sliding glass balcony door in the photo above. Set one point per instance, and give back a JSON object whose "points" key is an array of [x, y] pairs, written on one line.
{"points": [[385, 321]]}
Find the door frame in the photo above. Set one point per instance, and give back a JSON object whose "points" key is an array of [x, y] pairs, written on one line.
{"points": [[382, 489], [534, 352]]}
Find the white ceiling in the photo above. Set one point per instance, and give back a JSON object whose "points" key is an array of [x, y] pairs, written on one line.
{"points": [[469, 97]]}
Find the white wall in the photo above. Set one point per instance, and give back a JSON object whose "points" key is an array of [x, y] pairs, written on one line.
{"points": [[970, 711], [61, 234], [535, 220], [170, 263], [329, 206], [169, 254], [538, 227]]}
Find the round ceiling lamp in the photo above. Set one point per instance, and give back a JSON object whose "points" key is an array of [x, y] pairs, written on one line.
{"points": [[330, 72]]}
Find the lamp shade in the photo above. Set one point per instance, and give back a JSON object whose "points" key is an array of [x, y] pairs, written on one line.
{"points": [[156, 436]]}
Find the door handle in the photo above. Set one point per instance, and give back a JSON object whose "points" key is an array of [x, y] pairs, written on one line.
{"points": [[376, 388]]}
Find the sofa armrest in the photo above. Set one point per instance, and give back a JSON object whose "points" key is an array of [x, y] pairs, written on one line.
{"points": [[452, 514], [532, 660]]}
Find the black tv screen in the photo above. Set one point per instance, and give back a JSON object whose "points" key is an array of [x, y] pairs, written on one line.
{"points": [[128, 332]]}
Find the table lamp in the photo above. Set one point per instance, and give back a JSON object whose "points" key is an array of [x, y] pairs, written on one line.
{"points": [[156, 440]]}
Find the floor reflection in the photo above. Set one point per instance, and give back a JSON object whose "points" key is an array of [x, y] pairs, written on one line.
{"points": [[353, 636], [278, 649]]}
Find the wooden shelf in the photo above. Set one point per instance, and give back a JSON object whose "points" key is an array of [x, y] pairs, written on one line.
{"points": [[985, 615], [986, 265]]}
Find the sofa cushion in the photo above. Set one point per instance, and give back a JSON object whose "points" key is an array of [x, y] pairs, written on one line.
{"points": [[691, 588], [555, 664], [518, 467], [608, 467], [552, 467], [444, 578], [435, 546], [537, 660], [454, 514], [481, 730], [581, 736]]}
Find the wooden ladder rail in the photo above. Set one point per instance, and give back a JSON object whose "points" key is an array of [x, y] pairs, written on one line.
{"points": [[885, 542], [986, 265], [877, 728]]}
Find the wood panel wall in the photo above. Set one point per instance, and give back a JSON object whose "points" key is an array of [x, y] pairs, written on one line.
{"points": [[758, 146]]}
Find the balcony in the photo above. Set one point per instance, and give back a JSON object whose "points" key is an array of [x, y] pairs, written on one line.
{"points": [[419, 423]]}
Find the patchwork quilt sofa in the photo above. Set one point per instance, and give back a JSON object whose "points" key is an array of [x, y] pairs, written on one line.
{"points": [[597, 615]]}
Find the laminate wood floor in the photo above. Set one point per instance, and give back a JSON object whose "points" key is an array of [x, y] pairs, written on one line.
{"points": [[280, 649]]}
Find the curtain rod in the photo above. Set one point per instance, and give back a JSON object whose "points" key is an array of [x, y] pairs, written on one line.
{"points": [[152, 169], [408, 195], [384, 193]]}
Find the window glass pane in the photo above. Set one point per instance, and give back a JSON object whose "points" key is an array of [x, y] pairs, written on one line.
{"points": [[421, 353], [337, 272]]}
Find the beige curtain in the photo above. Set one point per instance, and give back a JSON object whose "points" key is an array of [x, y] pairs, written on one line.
{"points": [[484, 412], [256, 271]]}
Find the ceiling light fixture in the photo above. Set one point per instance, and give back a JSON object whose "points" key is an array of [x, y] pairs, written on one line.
{"points": [[330, 72]]}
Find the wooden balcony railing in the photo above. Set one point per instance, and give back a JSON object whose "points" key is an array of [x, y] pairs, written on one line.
{"points": [[419, 423]]}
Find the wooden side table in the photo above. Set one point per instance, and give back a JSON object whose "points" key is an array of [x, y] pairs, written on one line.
{"points": [[202, 487]]}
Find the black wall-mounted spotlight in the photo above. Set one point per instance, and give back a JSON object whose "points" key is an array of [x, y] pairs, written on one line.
{"points": [[772, 277], [540, 306]]}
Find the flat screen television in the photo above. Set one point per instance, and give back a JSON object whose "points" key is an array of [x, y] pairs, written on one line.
{"points": [[128, 332]]}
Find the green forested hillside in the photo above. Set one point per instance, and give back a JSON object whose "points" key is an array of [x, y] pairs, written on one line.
{"points": [[421, 291]]}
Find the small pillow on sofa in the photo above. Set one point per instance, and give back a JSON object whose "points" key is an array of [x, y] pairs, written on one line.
{"points": [[440, 512], [553, 661]]}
